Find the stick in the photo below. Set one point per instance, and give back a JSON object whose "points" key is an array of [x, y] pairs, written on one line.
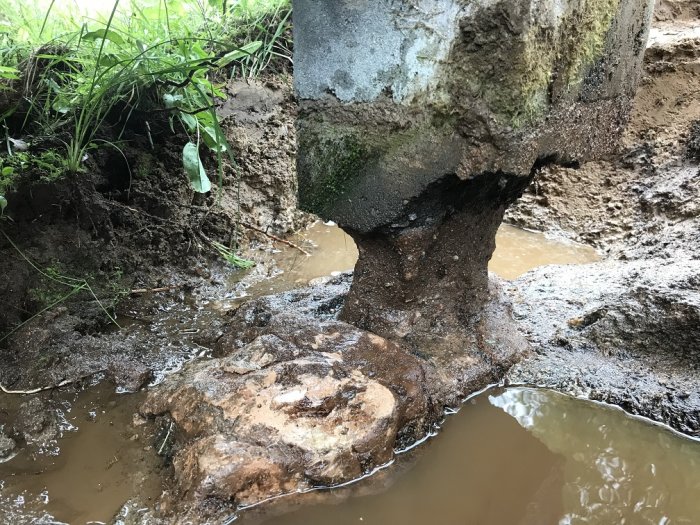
{"points": [[274, 237], [139, 291], [51, 387]]}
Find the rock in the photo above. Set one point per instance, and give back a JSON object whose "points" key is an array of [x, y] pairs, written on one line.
{"points": [[308, 404], [7, 447], [693, 146], [295, 399]]}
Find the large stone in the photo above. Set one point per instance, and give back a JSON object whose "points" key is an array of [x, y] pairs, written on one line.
{"points": [[295, 399], [420, 121], [295, 403]]}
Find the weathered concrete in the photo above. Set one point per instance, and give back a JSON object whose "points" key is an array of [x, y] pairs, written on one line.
{"points": [[420, 121], [397, 95]]}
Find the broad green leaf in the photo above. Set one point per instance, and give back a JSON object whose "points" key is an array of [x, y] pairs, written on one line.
{"points": [[108, 60], [170, 100], [106, 34], [195, 169], [189, 120], [212, 140], [239, 53], [9, 73], [3, 203], [7, 171]]}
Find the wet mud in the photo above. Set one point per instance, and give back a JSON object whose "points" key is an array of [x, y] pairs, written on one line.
{"points": [[625, 330], [87, 451]]}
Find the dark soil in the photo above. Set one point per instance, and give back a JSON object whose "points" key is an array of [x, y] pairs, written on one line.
{"points": [[129, 223]]}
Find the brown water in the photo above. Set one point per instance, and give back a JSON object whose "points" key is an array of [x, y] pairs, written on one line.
{"points": [[333, 251], [524, 457], [102, 460], [519, 251]]}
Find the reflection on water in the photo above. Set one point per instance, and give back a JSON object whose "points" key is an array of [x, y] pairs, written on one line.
{"points": [[519, 251], [524, 457], [618, 469]]}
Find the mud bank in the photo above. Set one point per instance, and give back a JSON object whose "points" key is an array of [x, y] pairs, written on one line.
{"points": [[126, 227], [625, 331]]}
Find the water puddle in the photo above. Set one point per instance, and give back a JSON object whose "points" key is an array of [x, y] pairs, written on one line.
{"points": [[519, 251], [100, 462], [523, 457], [333, 251]]}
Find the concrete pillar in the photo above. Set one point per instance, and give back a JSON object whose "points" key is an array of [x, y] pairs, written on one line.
{"points": [[421, 120]]}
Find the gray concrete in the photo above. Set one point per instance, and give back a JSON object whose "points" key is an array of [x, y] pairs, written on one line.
{"points": [[358, 50], [397, 95]]}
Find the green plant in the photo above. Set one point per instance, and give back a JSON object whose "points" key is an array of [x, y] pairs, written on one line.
{"points": [[81, 74], [230, 256], [7, 178]]}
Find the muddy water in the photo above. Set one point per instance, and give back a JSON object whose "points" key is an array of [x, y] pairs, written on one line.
{"points": [[99, 461], [102, 460], [525, 457], [517, 251]]}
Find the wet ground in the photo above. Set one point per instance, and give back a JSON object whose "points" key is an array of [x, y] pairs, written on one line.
{"points": [[103, 459], [524, 456]]}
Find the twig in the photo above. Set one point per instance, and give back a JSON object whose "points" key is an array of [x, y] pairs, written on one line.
{"points": [[50, 387], [140, 291], [170, 428], [274, 237]]}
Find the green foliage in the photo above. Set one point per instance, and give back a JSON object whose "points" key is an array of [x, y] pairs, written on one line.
{"points": [[147, 57], [194, 168], [49, 165], [230, 256]]}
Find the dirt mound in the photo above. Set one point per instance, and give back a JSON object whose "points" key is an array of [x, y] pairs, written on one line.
{"points": [[131, 222]]}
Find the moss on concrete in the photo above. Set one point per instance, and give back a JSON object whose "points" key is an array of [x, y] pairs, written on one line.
{"points": [[334, 157], [513, 69], [583, 36], [332, 161]]}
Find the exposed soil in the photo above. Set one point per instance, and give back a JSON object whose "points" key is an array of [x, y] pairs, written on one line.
{"points": [[626, 330], [137, 226]]}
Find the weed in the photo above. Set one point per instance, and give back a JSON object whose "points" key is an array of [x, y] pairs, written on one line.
{"points": [[230, 256], [81, 74]]}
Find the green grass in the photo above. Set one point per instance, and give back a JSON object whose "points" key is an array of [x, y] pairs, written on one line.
{"points": [[230, 256], [75, 73]]}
